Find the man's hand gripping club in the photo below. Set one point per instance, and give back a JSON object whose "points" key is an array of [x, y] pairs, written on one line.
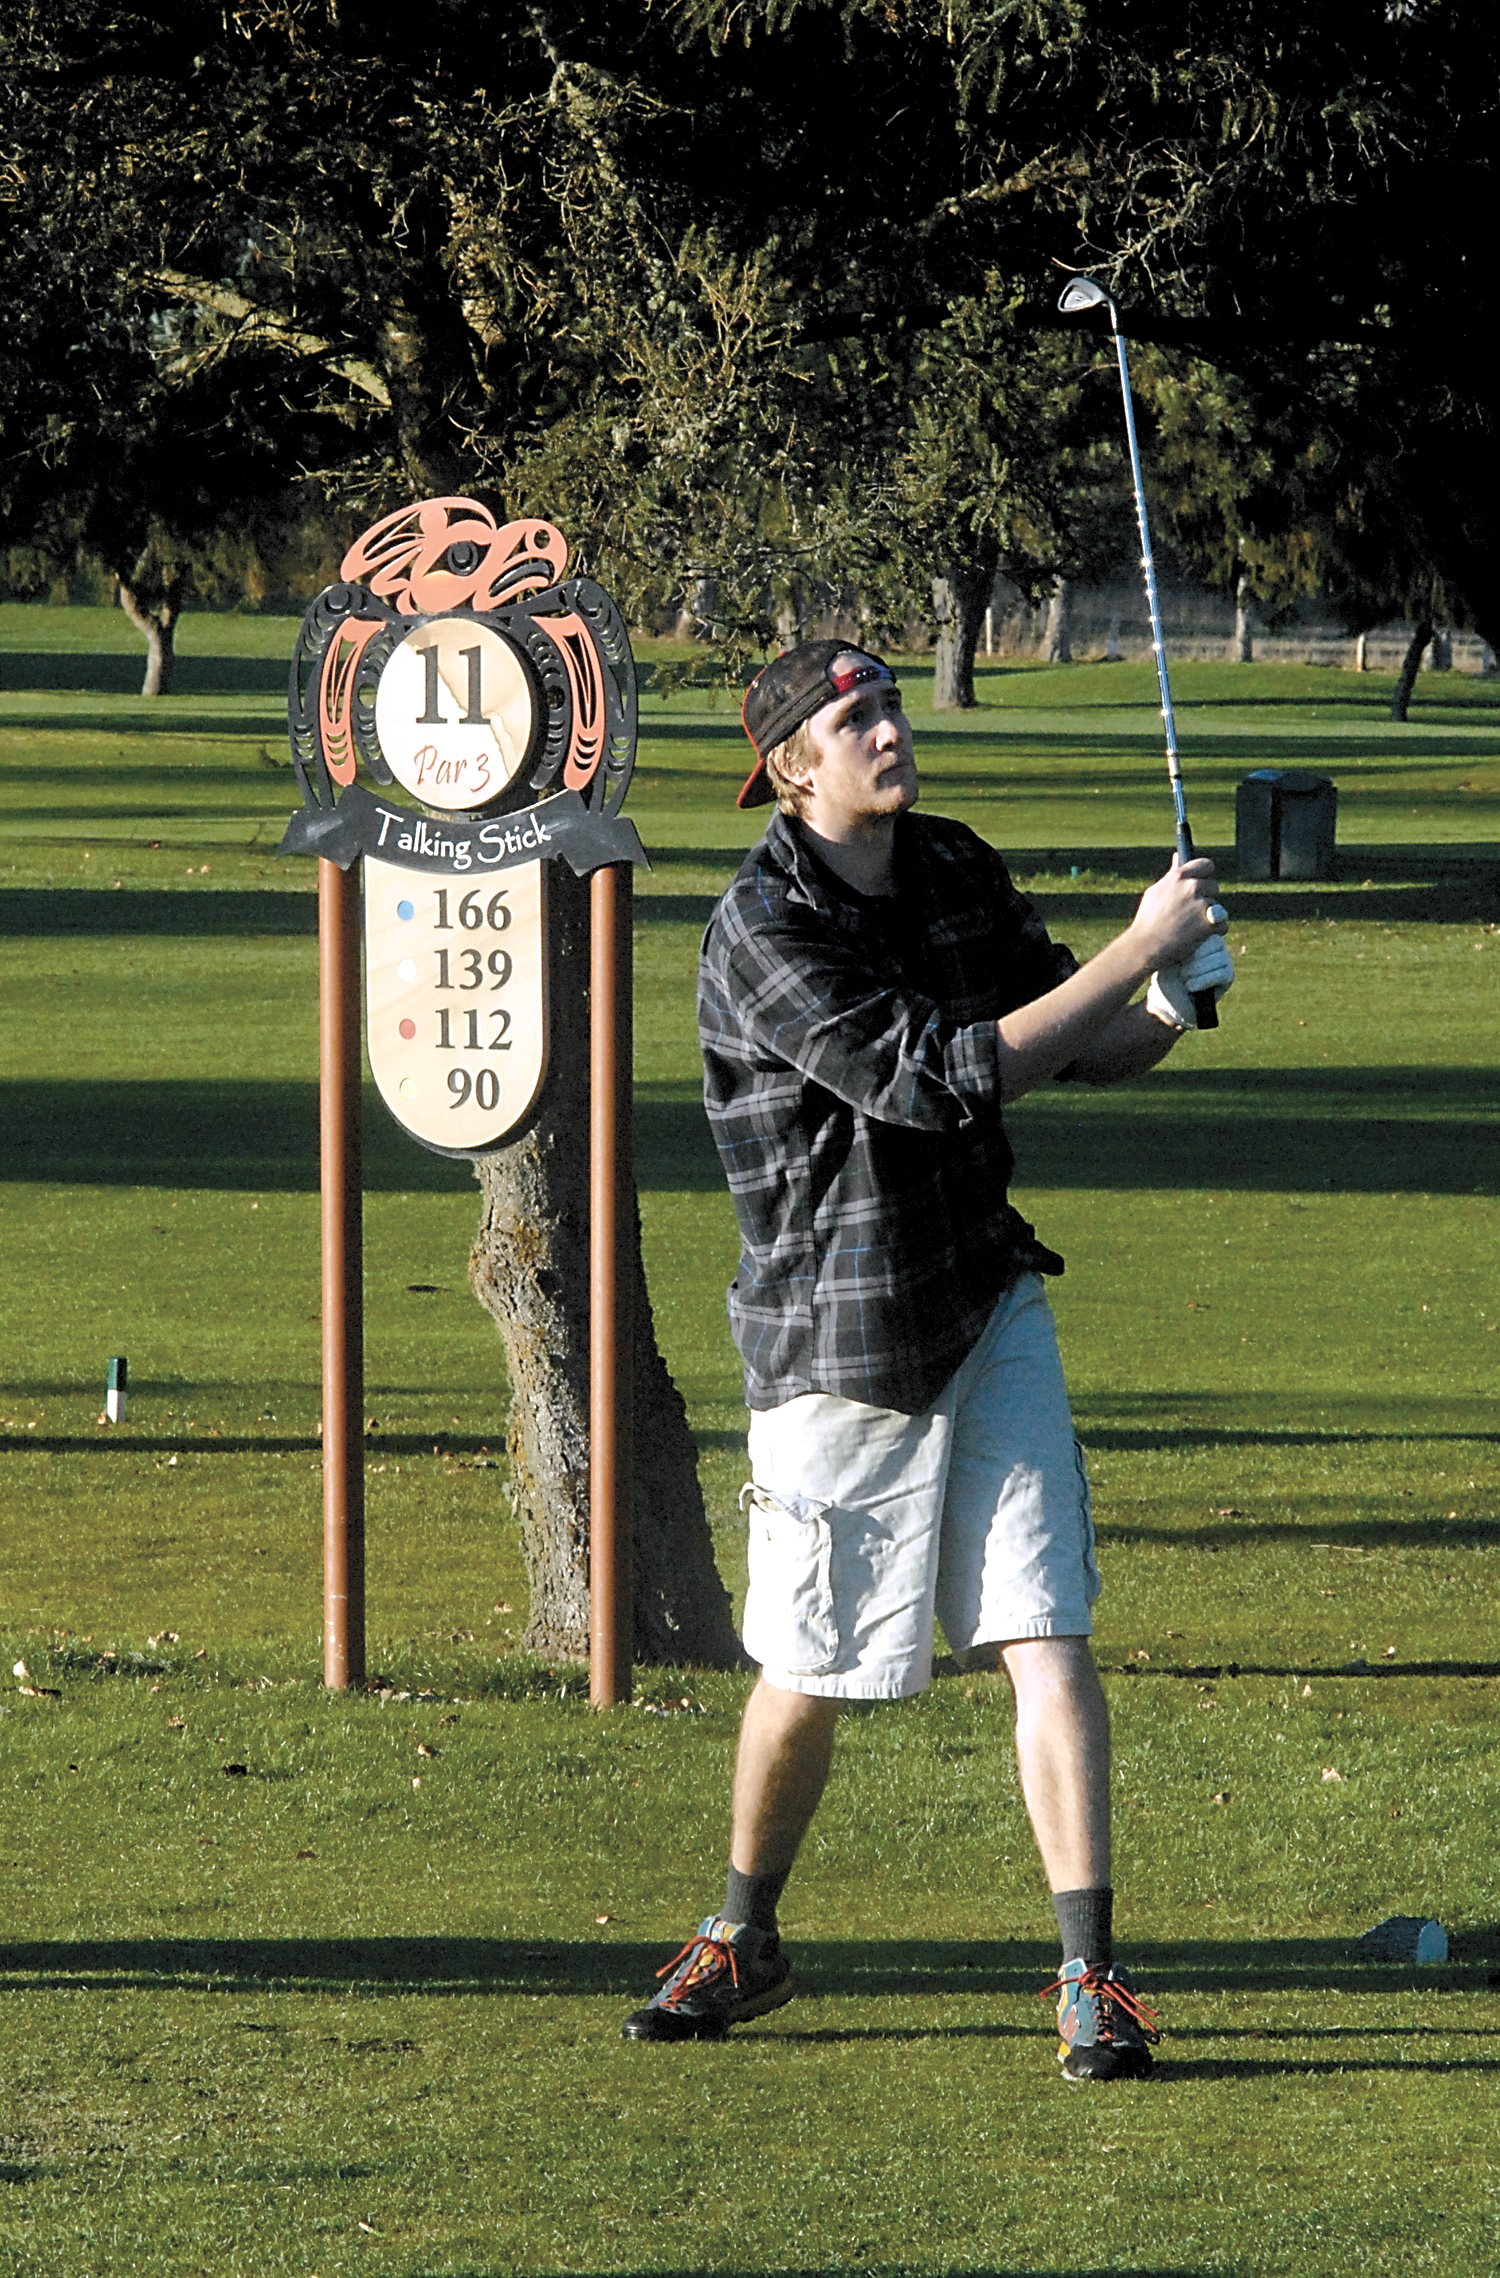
{"points": [[1089, 1020], [1174, 992]]}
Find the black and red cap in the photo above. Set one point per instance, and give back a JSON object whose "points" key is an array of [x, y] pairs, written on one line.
{"points": [[788, 691]]}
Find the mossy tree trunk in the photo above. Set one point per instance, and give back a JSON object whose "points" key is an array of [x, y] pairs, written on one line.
{"points": [[1057, 640], [156, 622], [1242, 648], [960, 590], [1411, 665], [530, 1269]]}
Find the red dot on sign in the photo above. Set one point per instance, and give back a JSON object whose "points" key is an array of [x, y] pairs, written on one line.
{"points": [[408, 1029]]}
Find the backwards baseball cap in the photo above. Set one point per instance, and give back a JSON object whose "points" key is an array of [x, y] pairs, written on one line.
{"points": [[788, 691]]}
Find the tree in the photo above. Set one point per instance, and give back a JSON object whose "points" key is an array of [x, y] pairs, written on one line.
{"points": [[1262, 209], [633, 267], [279, 277]]}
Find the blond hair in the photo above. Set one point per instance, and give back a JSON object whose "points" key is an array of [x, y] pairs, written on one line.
{"points": [[796, 751]]}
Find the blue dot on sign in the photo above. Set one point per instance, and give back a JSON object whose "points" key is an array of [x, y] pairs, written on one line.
{"points": [[406, 909]]}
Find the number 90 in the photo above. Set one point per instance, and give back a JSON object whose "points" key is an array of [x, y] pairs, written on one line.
{"points": [[485, 1087]]}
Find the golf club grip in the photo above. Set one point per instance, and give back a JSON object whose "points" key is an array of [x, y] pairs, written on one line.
{"points": [[1205, 1008]]}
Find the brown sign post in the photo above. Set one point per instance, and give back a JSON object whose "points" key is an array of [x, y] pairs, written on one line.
{"points": [[457, 665], [611, 1286], [341, 1129]]}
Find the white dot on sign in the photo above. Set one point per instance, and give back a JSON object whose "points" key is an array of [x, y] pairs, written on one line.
{"points": [[408, 1088], [406, 970], [406, 909]]}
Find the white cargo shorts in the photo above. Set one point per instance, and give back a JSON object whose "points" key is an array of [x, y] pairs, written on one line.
{"points": [[866, 1523]]}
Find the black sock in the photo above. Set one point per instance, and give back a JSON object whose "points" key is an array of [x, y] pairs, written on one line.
{"points": [[1085, 1923], [752, 1898]]}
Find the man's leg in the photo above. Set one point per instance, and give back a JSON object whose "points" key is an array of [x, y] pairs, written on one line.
{"points": [[1062, 1749], [786, 1748], [734, 1968], [843, 1551], [1018, 1560]]}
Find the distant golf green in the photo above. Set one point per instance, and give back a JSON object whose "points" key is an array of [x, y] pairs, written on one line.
{"points": [[354, 2007]]}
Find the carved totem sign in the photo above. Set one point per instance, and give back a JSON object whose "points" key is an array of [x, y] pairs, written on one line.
{"points": [[464, 672]]}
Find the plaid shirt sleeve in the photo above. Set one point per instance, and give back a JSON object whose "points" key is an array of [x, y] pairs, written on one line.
{"points": [[806, 999], [855, 1103]]}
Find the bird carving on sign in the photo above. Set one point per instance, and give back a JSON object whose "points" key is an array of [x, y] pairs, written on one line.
{"points": [[449, 559]]}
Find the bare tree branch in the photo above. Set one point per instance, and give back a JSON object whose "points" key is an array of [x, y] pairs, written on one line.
{"points": [[262, 324]]}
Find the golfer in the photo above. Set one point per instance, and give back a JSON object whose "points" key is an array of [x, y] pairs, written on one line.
{"points": [[873, 989]]}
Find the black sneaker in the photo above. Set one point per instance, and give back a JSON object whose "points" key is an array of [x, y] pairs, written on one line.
{"points": [[726, 1972], [1103, 2025]]}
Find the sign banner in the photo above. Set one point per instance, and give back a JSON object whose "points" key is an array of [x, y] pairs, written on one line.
{"points": [[560, 826]]}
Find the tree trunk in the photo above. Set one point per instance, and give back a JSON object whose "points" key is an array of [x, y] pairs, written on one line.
{"points": [[157, 628], [1057, 643], [959, 593], [1244, 620], [1441, 659], [1112, 651], [1410, 666], [1361, 651], [530, 1269], [792, 615], [699, 613]]}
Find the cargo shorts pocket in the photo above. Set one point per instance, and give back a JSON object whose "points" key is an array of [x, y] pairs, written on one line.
{"points": [[791, 1621]]}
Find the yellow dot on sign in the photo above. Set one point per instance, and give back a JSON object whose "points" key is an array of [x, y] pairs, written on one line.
{"points": [[406, 970], [408, 1088]]}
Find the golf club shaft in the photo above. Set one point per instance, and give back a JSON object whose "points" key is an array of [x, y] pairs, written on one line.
{"points": [[1205, 1004]]}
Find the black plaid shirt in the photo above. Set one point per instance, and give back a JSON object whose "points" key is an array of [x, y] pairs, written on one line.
{"points": [[851, 1075]]}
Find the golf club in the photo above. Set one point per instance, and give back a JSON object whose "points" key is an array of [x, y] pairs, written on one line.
{"points": [[1081, 293]]}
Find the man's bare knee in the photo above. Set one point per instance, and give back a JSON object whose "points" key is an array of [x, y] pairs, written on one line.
{"points": [[775, 1709], [1050, 1664]]}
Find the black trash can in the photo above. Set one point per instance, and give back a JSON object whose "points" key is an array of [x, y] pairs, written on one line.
{"points": [[1284, 822]]}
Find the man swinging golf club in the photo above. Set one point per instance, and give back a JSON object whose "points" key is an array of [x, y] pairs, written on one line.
{"points": [[872, 990]]}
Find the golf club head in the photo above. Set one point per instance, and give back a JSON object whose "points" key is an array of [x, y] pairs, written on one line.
{"points": [[1081, 293]]}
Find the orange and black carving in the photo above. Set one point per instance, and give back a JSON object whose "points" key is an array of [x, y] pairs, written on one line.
{"points": [[447, 557]]}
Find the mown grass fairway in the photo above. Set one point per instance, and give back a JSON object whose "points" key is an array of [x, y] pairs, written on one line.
{"points": [[354, 2008]]}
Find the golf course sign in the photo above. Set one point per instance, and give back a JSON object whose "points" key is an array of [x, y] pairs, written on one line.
{"points": [[462, 673]]}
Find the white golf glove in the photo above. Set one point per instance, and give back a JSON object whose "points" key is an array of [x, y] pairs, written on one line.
{"points": [[1170, 996]]}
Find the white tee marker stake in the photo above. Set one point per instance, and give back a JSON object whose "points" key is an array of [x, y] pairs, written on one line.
{"points": [[114, 1395], [1079, 294]]}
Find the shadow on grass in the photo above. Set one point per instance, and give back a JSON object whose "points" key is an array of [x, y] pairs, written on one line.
{"points": [[695, 858], [122, 1439], [1178, 1438], [1469, 896], [1245, 1130], [31, 913], [1212, 1670], [106, 674], [1229, 1130], [225, 1136], [726, 729], [827, 1969], [1477, 1533], [1462, 897], [1017, 760], [675, 909]]}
